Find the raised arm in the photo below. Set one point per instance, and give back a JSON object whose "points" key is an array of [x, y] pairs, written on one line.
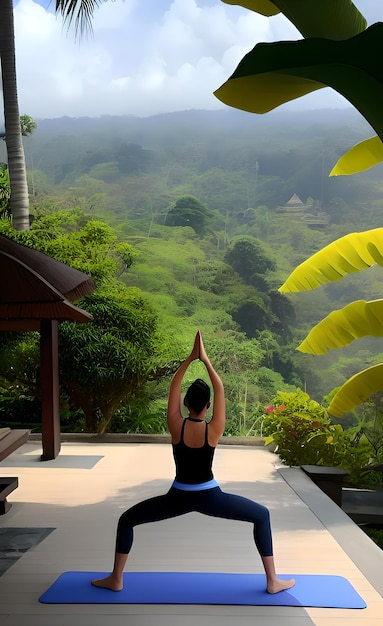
{"points": [[217, 422], [174, 415]]}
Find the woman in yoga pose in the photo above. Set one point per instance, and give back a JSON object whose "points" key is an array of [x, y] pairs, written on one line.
{"points": [[194, 488]]}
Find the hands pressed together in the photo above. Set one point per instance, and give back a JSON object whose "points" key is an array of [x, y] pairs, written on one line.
{"points": [[198, 352]]}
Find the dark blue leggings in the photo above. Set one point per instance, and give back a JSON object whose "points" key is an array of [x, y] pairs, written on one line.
{"points": [[213, 502]]}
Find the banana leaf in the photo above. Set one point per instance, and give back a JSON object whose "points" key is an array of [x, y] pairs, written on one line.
{"points": [[360, 157], [275, 73], [357, 390], [341, 327], [264, 7], [351, 253], [332, 19]]}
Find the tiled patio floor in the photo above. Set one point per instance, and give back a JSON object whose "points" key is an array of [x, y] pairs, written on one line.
{"points": [[82, 493]]}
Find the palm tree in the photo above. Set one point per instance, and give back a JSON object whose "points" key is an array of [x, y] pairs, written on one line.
{"points": [[19, 200], [81, 11]]}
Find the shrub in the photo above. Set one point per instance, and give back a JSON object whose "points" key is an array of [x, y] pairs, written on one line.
{"points": [[304, 434]]}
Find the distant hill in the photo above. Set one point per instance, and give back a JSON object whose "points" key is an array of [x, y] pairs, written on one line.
{"points": [[185, 125], [219, 156]]}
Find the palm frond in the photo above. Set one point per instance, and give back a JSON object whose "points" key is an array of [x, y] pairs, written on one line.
{"points": [[78, 11]]}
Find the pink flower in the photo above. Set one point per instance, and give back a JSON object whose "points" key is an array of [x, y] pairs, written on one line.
{"points": [[269, 408]]}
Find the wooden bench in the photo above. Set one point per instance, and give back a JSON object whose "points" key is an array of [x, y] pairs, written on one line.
{"points": [[10, 440], [7, 485]]}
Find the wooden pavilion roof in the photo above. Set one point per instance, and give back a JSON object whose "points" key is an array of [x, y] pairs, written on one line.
{"points": [[33, 286]]}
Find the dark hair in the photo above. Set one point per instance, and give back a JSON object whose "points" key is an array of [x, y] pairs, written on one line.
{"points": [[197, 396]]}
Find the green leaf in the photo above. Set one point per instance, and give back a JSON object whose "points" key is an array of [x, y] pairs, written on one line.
{"points": [[361, 157], [351, 253], [264, 7], [343, 326], [338, 19], [275, 73], [269, 440], [357, 390]]}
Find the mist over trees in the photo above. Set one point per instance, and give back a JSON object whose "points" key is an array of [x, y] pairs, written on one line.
{"points": [[200, 200]]}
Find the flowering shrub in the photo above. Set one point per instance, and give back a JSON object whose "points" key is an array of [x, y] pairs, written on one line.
{"points": [[304, 434]]}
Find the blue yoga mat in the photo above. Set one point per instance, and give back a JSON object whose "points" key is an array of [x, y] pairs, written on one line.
{"points": [[203, 588]]}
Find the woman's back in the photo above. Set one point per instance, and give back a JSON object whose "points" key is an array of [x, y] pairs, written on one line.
{"points": [[193, 455]]}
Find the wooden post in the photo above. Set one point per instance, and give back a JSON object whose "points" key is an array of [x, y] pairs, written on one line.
{"points": [[49, 380]]}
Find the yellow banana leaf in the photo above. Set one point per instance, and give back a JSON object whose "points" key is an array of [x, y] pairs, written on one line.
{"points": [[360, 157], [264, 92], [341, 327], [332, 19], [264, 7], [356, 390], [351, 253], [275, 73]]}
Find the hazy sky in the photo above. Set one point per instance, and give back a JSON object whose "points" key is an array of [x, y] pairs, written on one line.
{"points": [[144, 57]]}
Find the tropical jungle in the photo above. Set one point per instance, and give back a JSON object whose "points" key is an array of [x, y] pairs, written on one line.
{"points": [[194, 220]]}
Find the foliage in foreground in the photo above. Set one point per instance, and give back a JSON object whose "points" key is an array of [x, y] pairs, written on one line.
{"points": [[102, 363], [376, 534], [304, 435], [111, 359]]}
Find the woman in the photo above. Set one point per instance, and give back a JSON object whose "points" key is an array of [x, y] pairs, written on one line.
{"points": [[194, 488]]}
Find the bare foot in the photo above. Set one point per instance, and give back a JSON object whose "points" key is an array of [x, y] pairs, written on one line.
{"points": [[277, 585], [108, 583]]}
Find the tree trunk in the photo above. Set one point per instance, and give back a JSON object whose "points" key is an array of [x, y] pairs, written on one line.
{"points": [[107, 413], [13, 137]]}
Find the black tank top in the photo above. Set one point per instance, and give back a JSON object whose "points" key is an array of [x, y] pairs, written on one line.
{"points": [[193, 465]]}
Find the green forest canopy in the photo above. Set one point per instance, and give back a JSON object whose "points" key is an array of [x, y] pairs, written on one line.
{"points": [[220, 272]]}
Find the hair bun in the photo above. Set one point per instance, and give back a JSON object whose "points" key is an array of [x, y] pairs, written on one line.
{"points": [[197, 396]]}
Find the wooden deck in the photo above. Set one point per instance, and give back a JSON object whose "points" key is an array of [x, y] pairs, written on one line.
{"points": [[82, 492]]}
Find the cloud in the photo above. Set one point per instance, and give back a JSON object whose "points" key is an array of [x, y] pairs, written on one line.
{"points": [[141, 59], [133, 64]]}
